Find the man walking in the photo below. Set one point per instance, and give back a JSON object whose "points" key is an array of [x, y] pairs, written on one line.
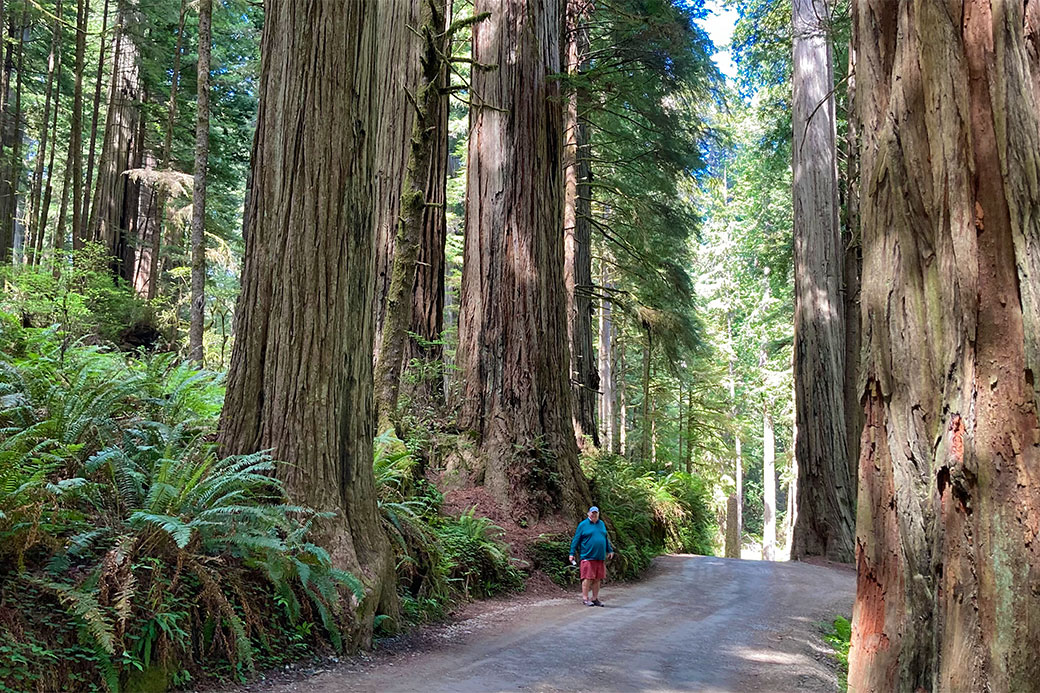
{"points": [[592, 544]]}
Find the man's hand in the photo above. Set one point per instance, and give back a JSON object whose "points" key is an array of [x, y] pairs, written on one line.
{"points": [[570, 558], [610, 555]]}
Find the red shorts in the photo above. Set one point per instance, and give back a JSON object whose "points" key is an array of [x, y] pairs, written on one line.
{"points": [[593, 570]]}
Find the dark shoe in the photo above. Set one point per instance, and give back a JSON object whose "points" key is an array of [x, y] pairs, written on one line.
{"points": [[596, 602], [586, 602]]}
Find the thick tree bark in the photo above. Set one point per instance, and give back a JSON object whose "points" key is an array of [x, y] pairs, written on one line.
{"points": [[512, 334], [949, 502], [300, 382], [853, 262], [577, 233], [428, 131], [825, 503], [399, 69], [198, 195], [426, 390], [114, 210]]}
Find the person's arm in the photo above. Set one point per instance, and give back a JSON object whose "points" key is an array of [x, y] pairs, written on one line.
{"points": [[574, 542]]}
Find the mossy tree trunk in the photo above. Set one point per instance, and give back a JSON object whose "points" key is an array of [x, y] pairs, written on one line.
{"points": [[300, 382], [513, 348], [949, 503]]}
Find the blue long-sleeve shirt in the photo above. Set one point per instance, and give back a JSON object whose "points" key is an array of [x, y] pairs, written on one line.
{"points": [[592, 541]]}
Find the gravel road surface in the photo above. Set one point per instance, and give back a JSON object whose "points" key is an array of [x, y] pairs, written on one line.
{"points": [[697, 624]]}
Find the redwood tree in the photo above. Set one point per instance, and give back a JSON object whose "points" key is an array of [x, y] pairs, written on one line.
{"points": [[577, 232], [300, 382], [512, 331], [824, 526], [949, 502]]}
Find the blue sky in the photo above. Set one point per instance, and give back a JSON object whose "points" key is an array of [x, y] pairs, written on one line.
{"points": [[719, 25]]}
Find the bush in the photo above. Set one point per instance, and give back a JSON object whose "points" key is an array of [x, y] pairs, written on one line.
{"points": [[129, 548], [440, 559]]}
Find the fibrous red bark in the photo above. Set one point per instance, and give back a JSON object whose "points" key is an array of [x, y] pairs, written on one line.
{"points": [[512, 334], [949, 503]]}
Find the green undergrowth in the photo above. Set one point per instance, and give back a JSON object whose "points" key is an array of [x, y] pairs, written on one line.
{"points": [[647, 512], [441, 559], [132, 556], [838, 635]]}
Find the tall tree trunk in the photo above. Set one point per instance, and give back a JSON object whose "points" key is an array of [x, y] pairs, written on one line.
{"points": [[428, 292], [419, 216], [80, 233], [645, 418], [622, 402], [48, 187], [166, 221], [198, 195], [399, 70], [7, 118], [738, 461], [12, 170], [109, 218], [97, 107], [853, 261], [825, 502], [577, 233], [512, 334], [949, 503], [50, 100], [608, 389], [300, 382], [689, 433], [768, 485]]}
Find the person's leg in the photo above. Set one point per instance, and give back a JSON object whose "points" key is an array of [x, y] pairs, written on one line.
{"points": [[585, 590], [595, 589]]}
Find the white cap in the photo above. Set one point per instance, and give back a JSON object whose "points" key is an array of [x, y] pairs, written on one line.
{"points": [[594, 509]]}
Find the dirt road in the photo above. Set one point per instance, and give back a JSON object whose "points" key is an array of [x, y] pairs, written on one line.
{"points": [[698, 624]]}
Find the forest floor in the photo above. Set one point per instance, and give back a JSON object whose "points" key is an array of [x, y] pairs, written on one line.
{"points": [[695, 624]]}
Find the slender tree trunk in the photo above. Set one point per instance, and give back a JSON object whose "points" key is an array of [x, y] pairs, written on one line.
{"points": [[608, 388], [949, 503], [97, 108], [689, 433], [623, 403], [644, 422], [577, 233], [399, 69], [198, 196], [768, 485], [300, 382], [80, 233], [680, 429], [853, 262], [512, 333], [58, 241], [50, 100], [825, 503], [738, 462], [7, 135], [13, 160], [416, 210]]}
